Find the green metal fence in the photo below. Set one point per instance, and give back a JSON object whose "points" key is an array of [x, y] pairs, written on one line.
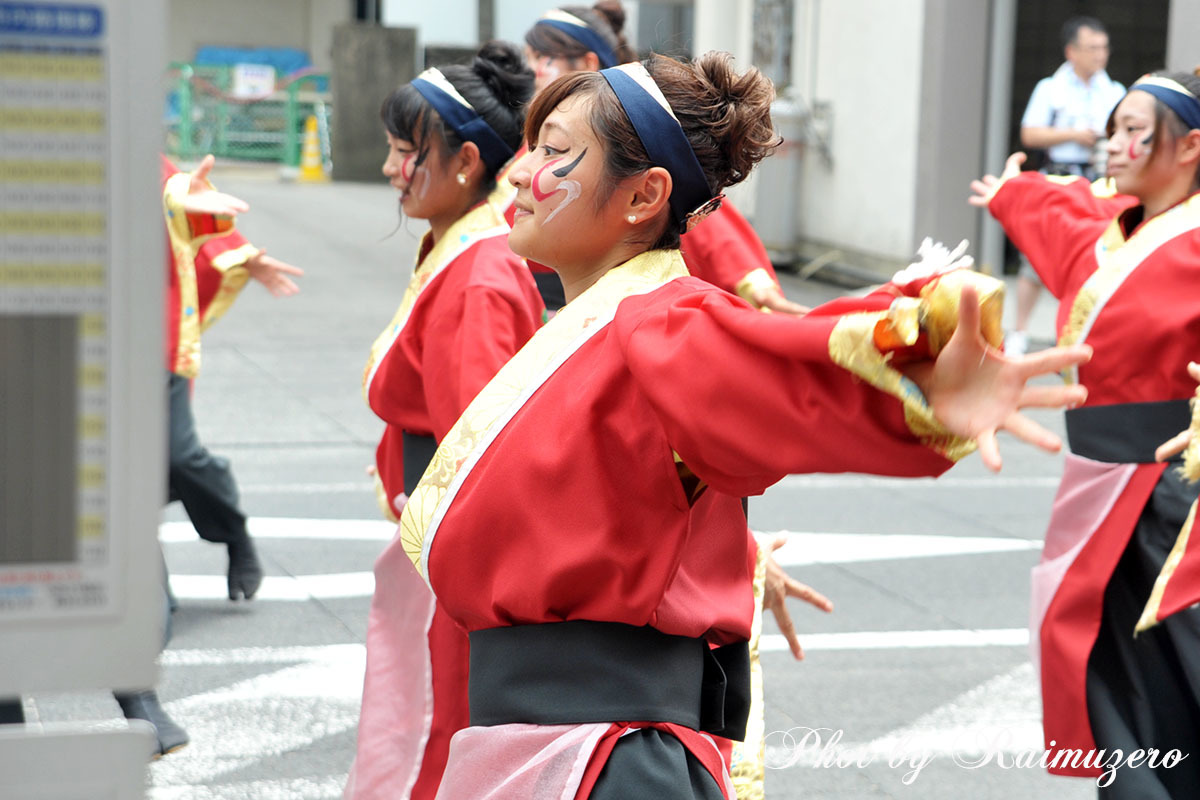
{"points": [[203, 115]]}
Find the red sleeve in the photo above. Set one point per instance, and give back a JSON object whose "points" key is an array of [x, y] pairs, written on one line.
{"points": [[746, 398], [1054, 223], [464, 348], [723, 248]]}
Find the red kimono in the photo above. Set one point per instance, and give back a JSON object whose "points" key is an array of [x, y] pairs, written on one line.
{"points": [[470, 305], [725, 251], [653, 388], [1130, 288], [206, 260]]}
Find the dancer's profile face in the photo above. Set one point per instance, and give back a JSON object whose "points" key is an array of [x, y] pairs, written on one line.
{"points": [[547, 68], [1131, 160], [425, 185], [561, 217]]}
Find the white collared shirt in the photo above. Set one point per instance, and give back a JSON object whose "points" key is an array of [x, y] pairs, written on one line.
{"points": [[1064, 100]]}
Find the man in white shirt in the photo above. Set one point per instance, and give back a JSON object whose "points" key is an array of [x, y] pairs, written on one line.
{"points": [[1066, 116]]}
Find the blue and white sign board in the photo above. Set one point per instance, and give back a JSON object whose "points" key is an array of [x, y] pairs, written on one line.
{"points": [[82, 384]]}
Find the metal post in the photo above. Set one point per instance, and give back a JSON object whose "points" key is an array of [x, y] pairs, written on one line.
{"points": [[186, 135], [291, 136]]}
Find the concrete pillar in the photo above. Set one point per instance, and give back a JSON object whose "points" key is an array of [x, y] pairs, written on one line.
{"points": [[1183, 44], [369, 62], [725, 25], [989, 250], [950, 139]]}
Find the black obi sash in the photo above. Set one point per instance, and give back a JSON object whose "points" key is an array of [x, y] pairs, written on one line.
{"points": [[1125, 433], [418, 452], [583, 671]]}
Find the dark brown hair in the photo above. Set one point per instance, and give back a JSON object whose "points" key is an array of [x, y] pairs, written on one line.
{"points": [[1167, 125], [498, 84], [606, 19], [725, 115]]}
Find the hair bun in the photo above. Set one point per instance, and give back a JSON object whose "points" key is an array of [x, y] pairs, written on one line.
{"points": [[503, 70], [726, 114], [613, 12]]}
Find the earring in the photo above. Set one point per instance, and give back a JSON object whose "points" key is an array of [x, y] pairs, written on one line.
{"points": [[632, 219], [461, 178]]}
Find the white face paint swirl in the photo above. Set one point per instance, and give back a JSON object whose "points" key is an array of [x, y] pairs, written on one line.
{"points": [[573, 189]]}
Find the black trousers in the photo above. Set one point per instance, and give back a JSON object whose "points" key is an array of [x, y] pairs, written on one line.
{"points": [[201, 481], [1144, 692], [654, 764]]}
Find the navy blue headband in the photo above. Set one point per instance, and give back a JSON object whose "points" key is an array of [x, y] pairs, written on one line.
{"points": [[586, 37], [463, 119], [1185, 105], [665, 143]]}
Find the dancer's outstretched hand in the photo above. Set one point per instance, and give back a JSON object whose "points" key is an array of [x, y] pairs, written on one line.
{"points": [[975, 390], [981, 190], [773, 298], [202, 198], [274, 274], [778, 587], [1179, 442]]}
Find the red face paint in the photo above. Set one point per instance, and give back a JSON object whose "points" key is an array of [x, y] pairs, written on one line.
{"points": [[408, 167], [1145, 143], [538, 194]]}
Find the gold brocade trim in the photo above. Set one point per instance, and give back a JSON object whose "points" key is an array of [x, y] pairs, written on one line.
{"points": [[515, 382], [754, 280], [693, 485], [184, 247], [1062, 180], [852, 347], [748, 764], [234, 276], [1104, 188], [1191, 454], [234, 258], [186, 358], [1149, 616], [481, 222], [381, 498], [939, 307], [1117, 258], [504, 193]]}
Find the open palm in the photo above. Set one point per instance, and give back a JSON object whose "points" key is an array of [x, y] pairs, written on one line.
{"points": [[975, 391]]}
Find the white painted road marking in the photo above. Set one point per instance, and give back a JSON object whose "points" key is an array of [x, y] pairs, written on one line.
{"points": [[294, 528], [310, 693], [899, 640], [279, 587], [846, 548]]}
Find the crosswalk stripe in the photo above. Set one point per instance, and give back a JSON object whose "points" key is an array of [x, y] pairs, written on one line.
{"points": [[279, 587], [899, 640]]}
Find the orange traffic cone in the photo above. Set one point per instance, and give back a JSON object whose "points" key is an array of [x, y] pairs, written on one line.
{"points": [[312, 168]]}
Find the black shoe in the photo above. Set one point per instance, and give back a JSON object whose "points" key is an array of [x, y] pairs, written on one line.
{"points": [[245, 573], [145, 705]]}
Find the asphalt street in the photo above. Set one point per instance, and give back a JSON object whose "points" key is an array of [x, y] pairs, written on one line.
{"points": [[917, 685]]}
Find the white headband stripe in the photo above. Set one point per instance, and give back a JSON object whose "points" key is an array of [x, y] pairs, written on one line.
{"points": [[637, 71], [436, 77]]}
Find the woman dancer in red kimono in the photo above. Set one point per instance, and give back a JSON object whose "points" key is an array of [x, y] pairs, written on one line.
{"points": [[725, 250], [594, 612], [1126, 271], [470, 305]]}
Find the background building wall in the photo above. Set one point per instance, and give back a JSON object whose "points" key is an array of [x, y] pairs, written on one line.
{"points": [[302, 24], [950, 129], [864, 81], [1183, 37], [446, 22]]}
